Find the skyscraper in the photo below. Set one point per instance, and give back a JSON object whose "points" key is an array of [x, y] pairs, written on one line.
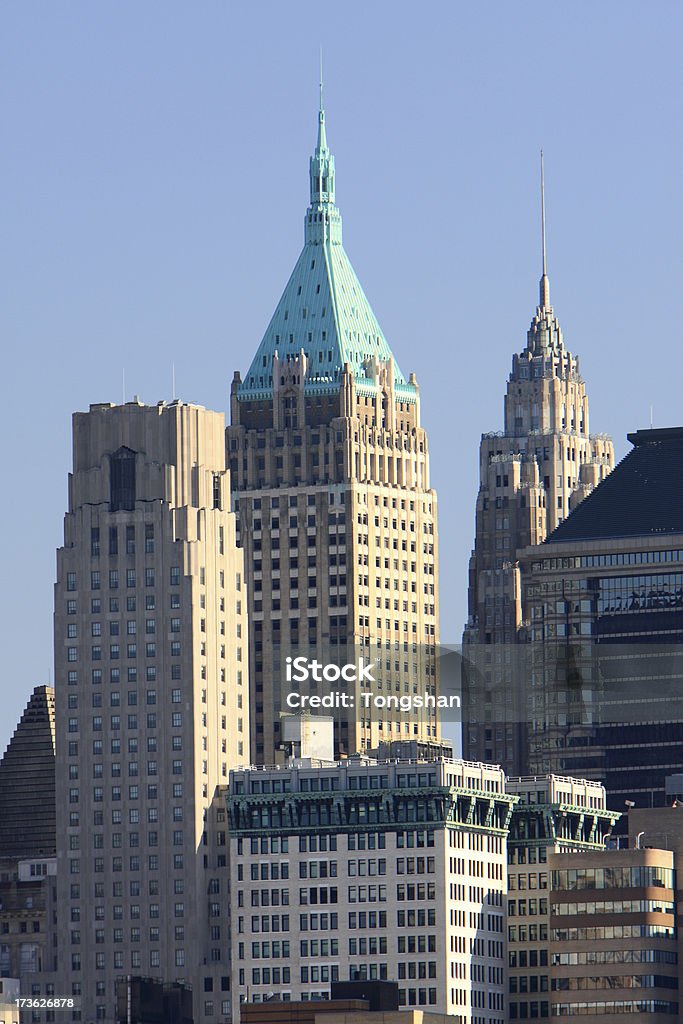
{"points": [[151, 699], [532, 474], [330, 475], [604, 602]]}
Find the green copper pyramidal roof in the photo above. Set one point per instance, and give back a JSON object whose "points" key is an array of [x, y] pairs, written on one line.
{"points": [[323, 311]]}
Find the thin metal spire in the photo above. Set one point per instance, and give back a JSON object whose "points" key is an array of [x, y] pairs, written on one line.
{"points": [[322, 140], [545, 271], [544, 289], [321, 78]]}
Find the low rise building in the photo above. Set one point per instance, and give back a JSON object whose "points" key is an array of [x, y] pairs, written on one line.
{"points": [[613, 942], [366, 870], [554, 814], [355, 1002]]}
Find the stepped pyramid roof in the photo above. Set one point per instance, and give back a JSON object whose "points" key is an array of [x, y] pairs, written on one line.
{"points": [[27, 781], [323, 311]]}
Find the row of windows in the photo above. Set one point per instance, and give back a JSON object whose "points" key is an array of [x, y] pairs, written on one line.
{"points": [[131, 652], [614, 1006], [528, 1011], [528, 958], [131, 604], [114, 540], [266, 923], [533, 907], [134, 863], [586, 984], [131, 577], [97, 674], [270, 975], [613, 878], [115, 724], [133, 741], [616, 956], [134, 889], [270, 949], [134, 935], [116, 839], [152, 792], [114, 699], [293, 500], [609, 932], [531, 880], [135, 960], [614, 907], [319, 947]]}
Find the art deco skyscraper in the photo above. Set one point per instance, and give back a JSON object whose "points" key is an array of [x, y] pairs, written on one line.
{"points": [[151, 700], [543, 463], [330, 474]]}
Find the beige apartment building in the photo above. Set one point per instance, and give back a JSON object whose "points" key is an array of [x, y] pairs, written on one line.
{"points": [[152, 708], [366, 870], [613, 936], [532, 474], [329, 468], [554, 814]]}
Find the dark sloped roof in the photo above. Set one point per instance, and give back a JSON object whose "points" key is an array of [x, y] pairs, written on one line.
{"points": [[642, 496], [27, 781]]}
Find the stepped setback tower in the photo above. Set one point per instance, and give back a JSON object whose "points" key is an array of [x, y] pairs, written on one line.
{"points": [[330, 475], [151, 706], [532, 474]]}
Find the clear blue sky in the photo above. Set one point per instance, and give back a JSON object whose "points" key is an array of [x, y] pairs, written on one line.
{"points": [[153, 186]]}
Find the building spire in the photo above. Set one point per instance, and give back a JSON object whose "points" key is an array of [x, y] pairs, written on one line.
{"points": [[322, 162], [544, 287], [321, 147]]}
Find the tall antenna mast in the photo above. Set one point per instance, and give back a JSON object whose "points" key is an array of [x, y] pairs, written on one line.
{"points": [[545, 268], [321, 78], [544, 288]]}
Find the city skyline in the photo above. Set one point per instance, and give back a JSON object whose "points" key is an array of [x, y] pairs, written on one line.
{"points": [[103, 152]]}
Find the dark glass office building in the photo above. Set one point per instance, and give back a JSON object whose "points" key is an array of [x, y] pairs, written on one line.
{"points": [[604, 613]]}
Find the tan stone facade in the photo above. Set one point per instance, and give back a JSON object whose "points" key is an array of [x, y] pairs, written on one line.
{"points": [[152, 709], [543, 463], [339, 528]]}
